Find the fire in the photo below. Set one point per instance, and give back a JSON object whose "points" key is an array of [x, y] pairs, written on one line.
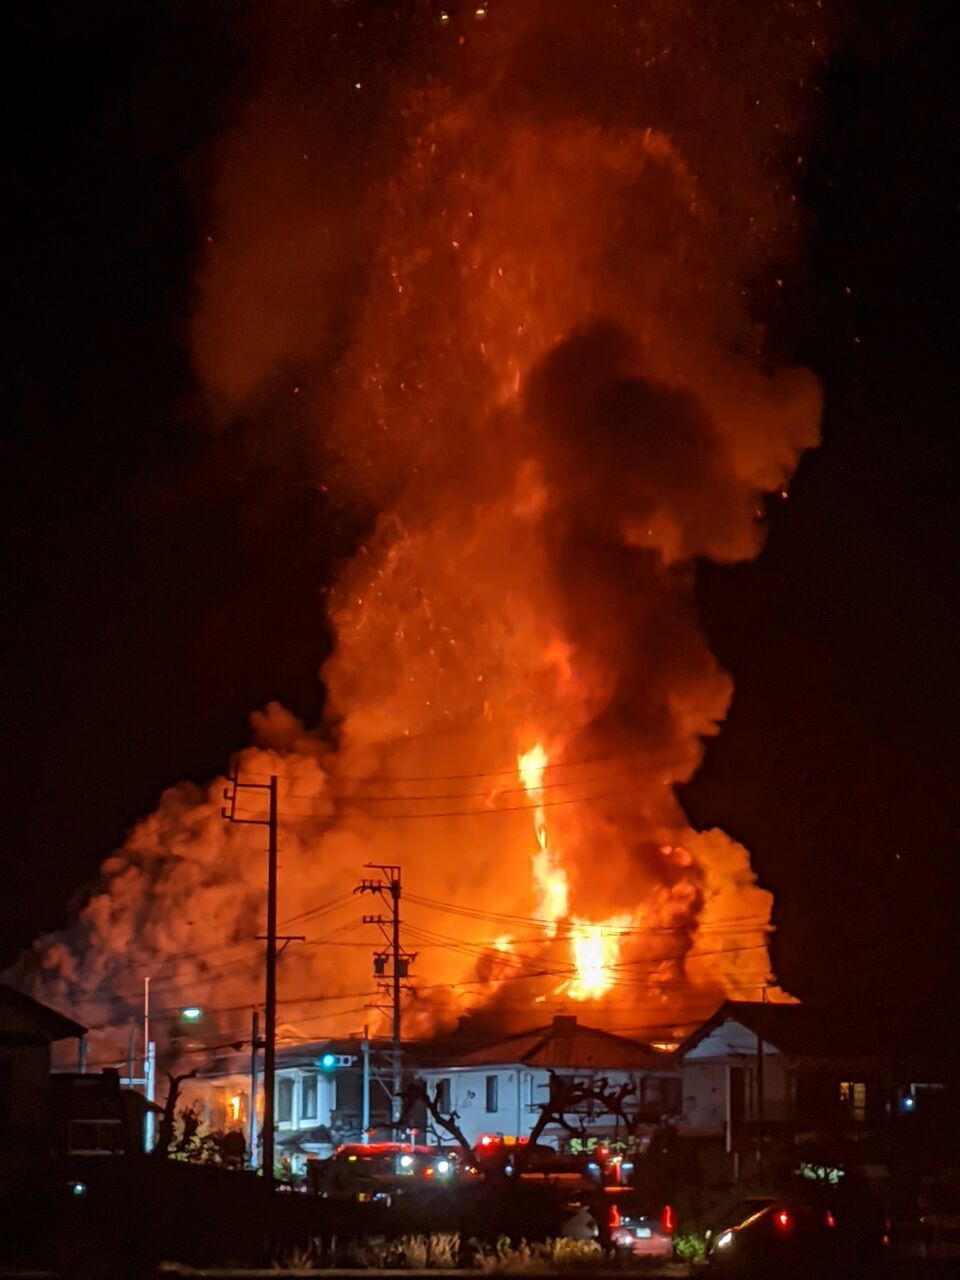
{"points": [[525, 348], [235, 1107], [549, 876], [532, 765], [596, 948]]}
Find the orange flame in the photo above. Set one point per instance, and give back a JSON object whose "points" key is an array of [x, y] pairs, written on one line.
{"points": [[553, 891]]}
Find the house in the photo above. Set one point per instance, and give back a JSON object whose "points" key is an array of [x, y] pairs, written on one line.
{"points": [[93, 1117], [499, 1088], [318, 1102], [28, 1029], [796, 1071]]}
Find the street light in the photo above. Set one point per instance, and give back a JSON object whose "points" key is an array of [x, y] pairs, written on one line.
{"points": [[192, 1013]]}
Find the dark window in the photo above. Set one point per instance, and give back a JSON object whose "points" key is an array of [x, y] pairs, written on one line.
{"points": [[492, 1083], [309, 1108], [443, 1096], [284, 1100], [661, 1095], [95, 1137]]}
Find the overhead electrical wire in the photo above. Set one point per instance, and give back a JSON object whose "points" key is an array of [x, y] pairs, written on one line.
{"points": [[458, 777], [470, 813]]}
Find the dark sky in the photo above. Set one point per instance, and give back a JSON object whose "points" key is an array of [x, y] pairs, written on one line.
{"points": [[162, 581]]}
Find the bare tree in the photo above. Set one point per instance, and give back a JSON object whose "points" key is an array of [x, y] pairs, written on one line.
{"points": [[168, 1119], [416, 1091], [570, 1098]]}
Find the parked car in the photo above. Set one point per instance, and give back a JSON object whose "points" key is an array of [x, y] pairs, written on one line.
{"points": [[640, 1224], [793, 1235]]}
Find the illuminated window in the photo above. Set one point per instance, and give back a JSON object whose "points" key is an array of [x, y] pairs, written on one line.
{"points": [[492, 1083], [443, 1095], [309, 1107], [853, 1096], [284, 1100]]}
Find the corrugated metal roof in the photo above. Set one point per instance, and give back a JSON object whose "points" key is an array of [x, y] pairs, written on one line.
{"points": [[566, 1045]]}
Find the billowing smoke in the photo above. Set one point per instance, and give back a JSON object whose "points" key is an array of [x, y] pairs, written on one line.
{"points": [[508, 257]]}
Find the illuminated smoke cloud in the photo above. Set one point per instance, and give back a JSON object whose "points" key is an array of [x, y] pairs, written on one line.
{"points": [[513, 280]]}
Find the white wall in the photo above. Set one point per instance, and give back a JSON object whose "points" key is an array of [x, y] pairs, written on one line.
{"points": [[705, 1080], [521, 1092]]}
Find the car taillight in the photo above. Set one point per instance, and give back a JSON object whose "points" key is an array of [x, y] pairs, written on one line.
{"points": [[667, 1220], [614, 1216], [830, 1219], [783, 1219]]}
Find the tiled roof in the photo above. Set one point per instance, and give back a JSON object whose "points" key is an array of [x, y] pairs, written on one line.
{"points": [[564, 1044]]}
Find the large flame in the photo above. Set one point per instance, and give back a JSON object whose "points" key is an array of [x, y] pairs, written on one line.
{"points": [[594, 948], [510, 295]]}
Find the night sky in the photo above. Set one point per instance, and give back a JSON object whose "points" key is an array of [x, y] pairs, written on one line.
{"points": [[163, 579]]}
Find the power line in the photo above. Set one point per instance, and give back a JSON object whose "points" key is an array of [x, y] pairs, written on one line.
{"points": [[452, 908], [486, 813], [354, 797], [466, 777]]}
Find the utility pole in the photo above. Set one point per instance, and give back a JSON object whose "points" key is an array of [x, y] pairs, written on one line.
{"points": [[270, 1031], [760, 1083], [365, 1099], [149, 1070], [391, 967], [255, 1046]]}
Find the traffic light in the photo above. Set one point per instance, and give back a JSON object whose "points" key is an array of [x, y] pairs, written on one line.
{"points": [[329, 1062]]}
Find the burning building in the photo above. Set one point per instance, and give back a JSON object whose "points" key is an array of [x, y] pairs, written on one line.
{"points": [[507, 272]]}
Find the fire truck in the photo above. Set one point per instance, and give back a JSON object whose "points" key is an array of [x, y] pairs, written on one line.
{"points": [[381, 1170]]}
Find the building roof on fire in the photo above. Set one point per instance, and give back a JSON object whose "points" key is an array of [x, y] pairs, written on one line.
{"points": [[20, 1012], [564, 1044]]}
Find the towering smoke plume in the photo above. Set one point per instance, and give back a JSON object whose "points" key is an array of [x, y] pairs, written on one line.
{"points": [[508, 257]]}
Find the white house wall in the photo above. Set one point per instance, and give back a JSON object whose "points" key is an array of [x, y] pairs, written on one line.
{"points": [[521, 1092], [706, 1069]]}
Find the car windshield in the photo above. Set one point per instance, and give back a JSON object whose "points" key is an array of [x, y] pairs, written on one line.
{"points": [[635, 1205], [744, 1209]]}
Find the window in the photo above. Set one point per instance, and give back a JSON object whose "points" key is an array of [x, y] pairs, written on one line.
{"points": [[492, 1083], [661, 1095], [309, 1099], [284, 1100], [95, 1137], [853, 1096], [443, 1096]]}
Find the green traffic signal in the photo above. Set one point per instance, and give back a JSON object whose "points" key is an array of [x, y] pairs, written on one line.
{"points": [[328, 1062]]}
